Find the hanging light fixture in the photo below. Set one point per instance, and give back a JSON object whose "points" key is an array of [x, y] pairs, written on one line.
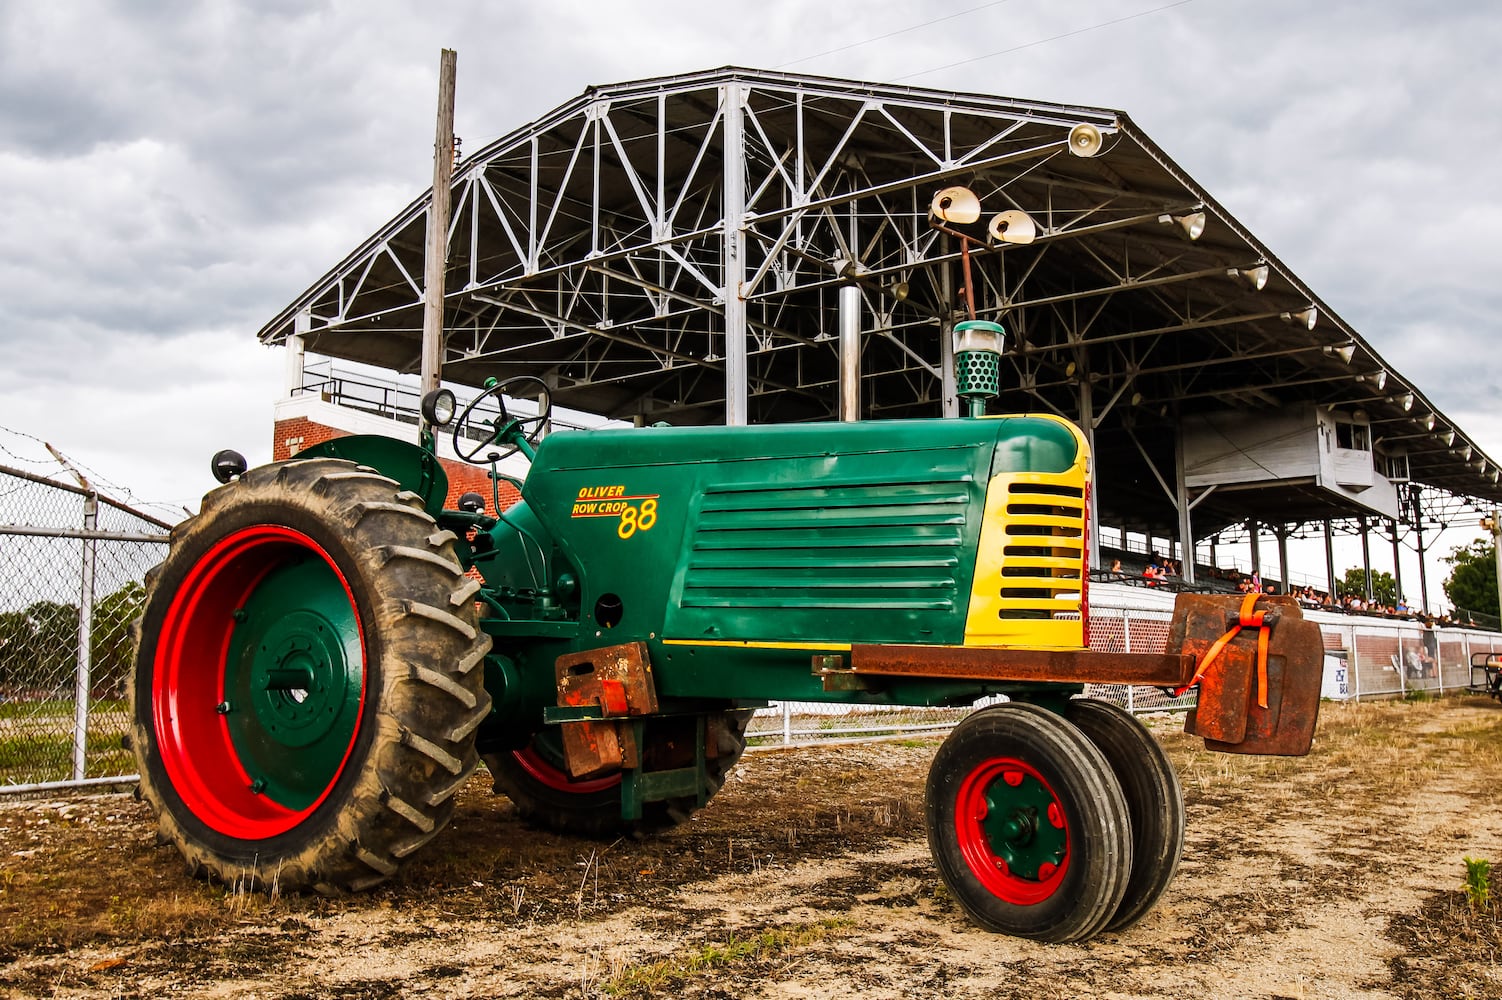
{"points": [[1191, 225], [1345, 352], [1255, 277], [955, 204], [1012, 226], [1085, 140], [1306, 317]]}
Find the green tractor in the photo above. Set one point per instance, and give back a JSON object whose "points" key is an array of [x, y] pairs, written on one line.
{"points": [[327, 653]]}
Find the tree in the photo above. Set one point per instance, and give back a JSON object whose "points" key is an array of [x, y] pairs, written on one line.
{"points": [[39, 646], [1384, 587], [112, 644], [1472, 585]]}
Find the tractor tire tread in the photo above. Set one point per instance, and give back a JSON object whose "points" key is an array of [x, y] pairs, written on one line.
{"points": [[1155, 802], [446, 684], [392, 552], [410, 813], [418, 609]]}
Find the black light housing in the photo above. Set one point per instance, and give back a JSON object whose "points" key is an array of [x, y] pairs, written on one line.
{"points": [[438, 407], [228, 465], [472, 503]]}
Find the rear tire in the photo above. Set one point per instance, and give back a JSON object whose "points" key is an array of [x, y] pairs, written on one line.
{"points": [[1154, 801], [306, 686], [1027, 825], [537, 781]]}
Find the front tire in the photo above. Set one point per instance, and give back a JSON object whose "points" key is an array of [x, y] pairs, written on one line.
{"points": [[1154, 801], [306, 687], [1027, 825]]}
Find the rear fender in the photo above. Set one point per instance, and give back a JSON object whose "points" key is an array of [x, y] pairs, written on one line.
{"points": [[415, 468]]}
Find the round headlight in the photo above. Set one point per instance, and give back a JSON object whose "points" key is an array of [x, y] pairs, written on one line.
{"points": [[227, 465], [438, 407]]}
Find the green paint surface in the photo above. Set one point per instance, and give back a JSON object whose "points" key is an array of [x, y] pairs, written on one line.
{"points": [[293, 680]]}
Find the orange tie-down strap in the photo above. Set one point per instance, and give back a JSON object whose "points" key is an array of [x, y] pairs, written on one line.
{"points": [[1248, 619]]}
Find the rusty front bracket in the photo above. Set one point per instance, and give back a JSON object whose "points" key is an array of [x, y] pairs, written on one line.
{"points": [[603, 685]]}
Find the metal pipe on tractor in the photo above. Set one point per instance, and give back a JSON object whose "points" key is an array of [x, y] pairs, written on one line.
{"points": [[327, 653]]}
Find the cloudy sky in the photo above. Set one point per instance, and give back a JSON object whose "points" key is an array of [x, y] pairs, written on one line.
{"points": [[172, 174]]}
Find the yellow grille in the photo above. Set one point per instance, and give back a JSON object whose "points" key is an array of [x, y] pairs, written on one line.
{"points": [[1030, 567]]}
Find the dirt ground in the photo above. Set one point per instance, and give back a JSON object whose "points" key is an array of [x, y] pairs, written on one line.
{"points": [[1337, 875]]}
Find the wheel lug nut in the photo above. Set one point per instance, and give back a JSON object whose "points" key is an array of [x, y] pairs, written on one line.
{"points": [[258, 786], [223, 708]]}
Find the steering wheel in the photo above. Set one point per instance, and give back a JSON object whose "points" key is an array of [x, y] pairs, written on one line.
{"points": [[506, 427]]}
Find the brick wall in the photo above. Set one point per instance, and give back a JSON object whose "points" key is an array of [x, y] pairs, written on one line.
{"points": [[294, 434]]}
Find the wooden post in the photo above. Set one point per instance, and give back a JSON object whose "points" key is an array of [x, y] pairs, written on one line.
{"points": [[438, 226]]}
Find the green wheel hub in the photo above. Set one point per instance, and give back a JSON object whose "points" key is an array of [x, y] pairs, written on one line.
{"points": [[1023, 825], [1012, 830], [293, 682]]}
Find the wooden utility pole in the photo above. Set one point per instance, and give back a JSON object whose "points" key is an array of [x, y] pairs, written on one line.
{"points": [[438, 226]]}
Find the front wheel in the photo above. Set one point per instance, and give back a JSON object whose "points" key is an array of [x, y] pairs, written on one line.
{"points": [[306, 687], [1028, 826], [1154, 801]]}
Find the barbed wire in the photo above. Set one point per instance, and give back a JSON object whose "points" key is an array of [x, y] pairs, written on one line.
{"points": [[105, 485]]}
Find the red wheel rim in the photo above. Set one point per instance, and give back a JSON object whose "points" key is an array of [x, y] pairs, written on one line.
{"points": [[1012, 831], [544, 772], [193, 738]]}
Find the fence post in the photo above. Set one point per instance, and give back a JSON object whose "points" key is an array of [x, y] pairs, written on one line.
{"points": [[1439, 659], [81, 682], [1353, 660], [787, 723]]}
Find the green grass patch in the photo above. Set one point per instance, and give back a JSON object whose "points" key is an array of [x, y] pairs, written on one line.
{"points": [[26, 758], [671, 973], [1478, 883], [60, 708]]}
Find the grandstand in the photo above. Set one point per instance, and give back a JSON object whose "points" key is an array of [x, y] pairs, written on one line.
{"points": [[673, 249]]}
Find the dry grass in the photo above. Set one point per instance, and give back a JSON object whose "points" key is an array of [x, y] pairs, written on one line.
{"points": [[1453, 949], [88, 901]]}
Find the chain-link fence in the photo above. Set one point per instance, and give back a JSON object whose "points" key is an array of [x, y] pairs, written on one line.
{"points": [[71, 570]]}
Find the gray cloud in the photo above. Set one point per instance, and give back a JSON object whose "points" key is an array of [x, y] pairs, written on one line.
{"points": [[175, 173]]}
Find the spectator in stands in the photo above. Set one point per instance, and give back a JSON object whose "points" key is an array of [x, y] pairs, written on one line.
{"points": [[1152, 573], [1116, 567]]}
